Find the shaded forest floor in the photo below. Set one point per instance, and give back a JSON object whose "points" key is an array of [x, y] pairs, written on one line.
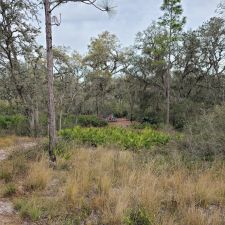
{"points": [[108, 186]]}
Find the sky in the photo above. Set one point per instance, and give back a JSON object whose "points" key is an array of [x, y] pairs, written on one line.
{"points": [[81, 22]]}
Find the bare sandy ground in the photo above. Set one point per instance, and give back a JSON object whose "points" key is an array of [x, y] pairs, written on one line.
{"points": [[8, 216]]}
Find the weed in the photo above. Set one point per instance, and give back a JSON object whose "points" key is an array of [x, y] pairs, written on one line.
{"points": [[28, 209], [6, 171], [38, 175], [138, 217], [9, 190]]}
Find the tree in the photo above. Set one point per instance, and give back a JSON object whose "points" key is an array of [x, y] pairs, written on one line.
{"points": [[173, 22], [68, 75], [103, 61], [17, 41], [49, 7]]}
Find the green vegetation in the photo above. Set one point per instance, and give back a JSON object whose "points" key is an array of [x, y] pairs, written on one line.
{"points": [[138, 217], [161, 163], [13, 123], [84, 121], [9, 190], [91, 120], [28, 209], [124, 138], [205, 137]]}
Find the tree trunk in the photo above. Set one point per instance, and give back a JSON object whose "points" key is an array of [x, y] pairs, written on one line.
{"points": [[36, 120], [97, 107], [51, 106], [168, 98], [32, 121], [60, 119]]}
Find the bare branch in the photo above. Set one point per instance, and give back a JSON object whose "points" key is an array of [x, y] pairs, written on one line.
{"points": [[104, 7]]}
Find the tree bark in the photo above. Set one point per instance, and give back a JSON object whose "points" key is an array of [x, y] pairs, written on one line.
{"points": [[168, 98], [51, 105], [60, 119]]}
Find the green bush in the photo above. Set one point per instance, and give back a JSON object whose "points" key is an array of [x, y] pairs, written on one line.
{"points": [[121, 137], [84, 121], [138, 217], [205, 137], [91, 121], [12, 123]]}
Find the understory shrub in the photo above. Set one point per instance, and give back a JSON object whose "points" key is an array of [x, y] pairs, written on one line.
{"points": [[205, 137], [84, 121], [12, 123], [117, 136], [91, 121]]}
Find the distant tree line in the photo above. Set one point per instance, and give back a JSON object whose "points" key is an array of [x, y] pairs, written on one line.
{"points": [[128, 82]]}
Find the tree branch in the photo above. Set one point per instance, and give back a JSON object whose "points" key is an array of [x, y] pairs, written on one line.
{"points": [[105, 8]]}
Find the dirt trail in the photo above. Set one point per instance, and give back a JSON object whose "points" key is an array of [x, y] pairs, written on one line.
{"points": [[8, 216]]}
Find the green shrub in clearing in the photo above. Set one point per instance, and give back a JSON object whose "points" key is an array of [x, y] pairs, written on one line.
{"points": [[91, 121], [84, 121], [12, 123], [137, 217], [121, 137], [205, 137]]}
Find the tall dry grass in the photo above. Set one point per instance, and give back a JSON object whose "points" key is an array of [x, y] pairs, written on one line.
{"points": [[112, 183], [103, 186], [39, 175]]}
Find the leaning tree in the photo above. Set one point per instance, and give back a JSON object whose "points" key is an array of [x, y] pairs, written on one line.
{"points": [[50, 5]]}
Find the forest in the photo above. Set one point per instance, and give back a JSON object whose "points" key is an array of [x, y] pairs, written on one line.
{"points": [[118, 135]]}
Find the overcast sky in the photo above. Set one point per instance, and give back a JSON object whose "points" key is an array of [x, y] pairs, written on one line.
{"points": [[81, 22]]}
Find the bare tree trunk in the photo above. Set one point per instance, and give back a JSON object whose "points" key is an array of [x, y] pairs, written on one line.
{"points": [[51, 106], [36, 120], [97, 107], [32, 121], [60, 119], [168, 98]]}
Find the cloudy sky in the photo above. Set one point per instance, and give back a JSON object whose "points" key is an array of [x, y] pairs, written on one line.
{"points": [[81, 22]]}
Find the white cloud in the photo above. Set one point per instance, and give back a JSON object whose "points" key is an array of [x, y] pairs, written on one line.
{"points": [[81, 22]]}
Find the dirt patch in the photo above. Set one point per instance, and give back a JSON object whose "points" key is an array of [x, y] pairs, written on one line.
{"points": [[121, 122], [6, 208], [8, 215], [3, 155]]}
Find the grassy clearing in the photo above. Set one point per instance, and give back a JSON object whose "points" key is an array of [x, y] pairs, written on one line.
{"points": [[102, 186], [9, 141]]}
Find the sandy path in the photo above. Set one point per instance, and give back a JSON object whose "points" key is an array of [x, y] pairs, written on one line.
{"points": [[8, 216]]}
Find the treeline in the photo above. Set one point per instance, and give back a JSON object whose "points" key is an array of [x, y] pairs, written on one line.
{"points": [[129, 82]]}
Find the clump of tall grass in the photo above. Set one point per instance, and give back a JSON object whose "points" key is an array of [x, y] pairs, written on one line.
{"points": [[39, 175]]}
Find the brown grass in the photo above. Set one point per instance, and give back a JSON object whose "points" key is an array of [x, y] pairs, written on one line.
{"points": [[38, 176], [12, 140], [7, 141], [101, 186], [113, 182]]}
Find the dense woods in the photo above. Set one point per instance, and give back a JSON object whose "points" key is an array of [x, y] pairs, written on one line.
{"points": [[135, 133], [111, 78]]}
